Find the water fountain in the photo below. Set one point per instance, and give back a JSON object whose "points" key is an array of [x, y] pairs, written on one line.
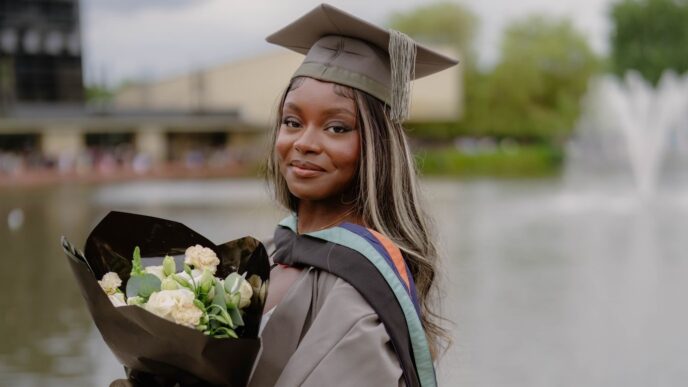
{"points": [[626, 133]]}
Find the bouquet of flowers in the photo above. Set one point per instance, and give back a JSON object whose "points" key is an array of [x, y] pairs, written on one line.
{"points": [[179, 310], [193, 297]]}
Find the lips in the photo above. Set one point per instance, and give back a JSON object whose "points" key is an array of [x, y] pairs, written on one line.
{"points": [[305, 170], [306, 165]]}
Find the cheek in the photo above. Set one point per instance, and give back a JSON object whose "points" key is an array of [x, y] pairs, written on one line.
{"points": [[282, 145], [347, 157]]}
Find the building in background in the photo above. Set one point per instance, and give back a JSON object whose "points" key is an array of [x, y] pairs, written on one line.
{"points": [[40, 62], [253, 85], [47, 126], [213, 119], [40, 52]]}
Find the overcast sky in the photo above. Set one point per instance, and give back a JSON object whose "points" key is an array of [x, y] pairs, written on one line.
{"points": [[152, 39]]}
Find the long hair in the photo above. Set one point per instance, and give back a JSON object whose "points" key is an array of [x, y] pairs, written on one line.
{"points": [[387, 198]]}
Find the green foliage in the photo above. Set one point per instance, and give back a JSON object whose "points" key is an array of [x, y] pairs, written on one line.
{"points": [[533, 92], [449, 24], [445, 130], [99, 94], [525, 161], [536, 87], [219, 299], [650, 36], [235, 314], [137, 266], [232, 282], [440, 23], [142, 285]]}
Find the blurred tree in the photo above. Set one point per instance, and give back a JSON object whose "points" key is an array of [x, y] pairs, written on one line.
{"points": [[448, 24], [534, 90], [650, 36], [97, 94], [441, 23]]}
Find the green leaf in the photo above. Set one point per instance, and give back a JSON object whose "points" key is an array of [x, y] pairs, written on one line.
{"points": [[223, 332], [221, 304], [220, 318], [227, 317], [233, 300], [199, 304], [235, 314], [143, 285], [137, 266], [182, 281], [219, 298], [211, 294]]}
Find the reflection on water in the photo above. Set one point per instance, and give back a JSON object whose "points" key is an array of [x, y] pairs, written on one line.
{"points": [[547, 287]]}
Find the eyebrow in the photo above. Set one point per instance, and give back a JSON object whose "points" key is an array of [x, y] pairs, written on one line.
{"points": [[331, 111], [339, 110]]}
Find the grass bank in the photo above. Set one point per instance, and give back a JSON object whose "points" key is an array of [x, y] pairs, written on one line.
{"points": [[515, 162]]}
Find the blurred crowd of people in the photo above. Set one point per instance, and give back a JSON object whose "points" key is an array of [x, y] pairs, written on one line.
{"points": [[112, 160]]}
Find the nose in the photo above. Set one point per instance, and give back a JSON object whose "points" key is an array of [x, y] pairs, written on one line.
{"points": [[308, 141]]}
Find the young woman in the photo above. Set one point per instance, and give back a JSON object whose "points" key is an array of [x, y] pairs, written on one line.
{"points": [[349, 302]]}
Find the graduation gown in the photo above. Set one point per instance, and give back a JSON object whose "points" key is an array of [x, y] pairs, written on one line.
{"points": [[350, 319]]}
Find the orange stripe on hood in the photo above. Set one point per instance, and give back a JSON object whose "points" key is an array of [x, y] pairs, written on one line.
{"points": [[395, 254]]}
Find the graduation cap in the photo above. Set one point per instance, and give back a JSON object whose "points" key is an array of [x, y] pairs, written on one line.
{"points": [[344, 49]]}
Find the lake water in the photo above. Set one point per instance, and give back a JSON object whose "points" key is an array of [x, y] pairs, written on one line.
{"points": [[547, 287]]}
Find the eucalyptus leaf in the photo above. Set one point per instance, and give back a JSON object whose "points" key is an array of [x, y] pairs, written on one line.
{"points": [[235, 314], [219, 298], [232, 282], [143, 285], [221, 303]]}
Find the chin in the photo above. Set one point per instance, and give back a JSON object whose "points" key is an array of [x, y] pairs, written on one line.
{"points": [[310, 191], [306, 194]]}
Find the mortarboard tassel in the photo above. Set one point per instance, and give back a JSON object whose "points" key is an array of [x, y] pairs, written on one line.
{"points": [[402, 56]]}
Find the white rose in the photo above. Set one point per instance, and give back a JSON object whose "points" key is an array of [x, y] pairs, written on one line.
{"points": [[246, 292], [162, 303], [117, 299], [156, 271], [110, 283], [201, 258], [176, 306]]}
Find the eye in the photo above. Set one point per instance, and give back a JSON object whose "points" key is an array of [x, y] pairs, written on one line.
{"points": [[291, 123], [338, 129]]}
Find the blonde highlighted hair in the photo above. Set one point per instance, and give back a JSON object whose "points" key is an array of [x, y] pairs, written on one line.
{"points": [[387, 198]]}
